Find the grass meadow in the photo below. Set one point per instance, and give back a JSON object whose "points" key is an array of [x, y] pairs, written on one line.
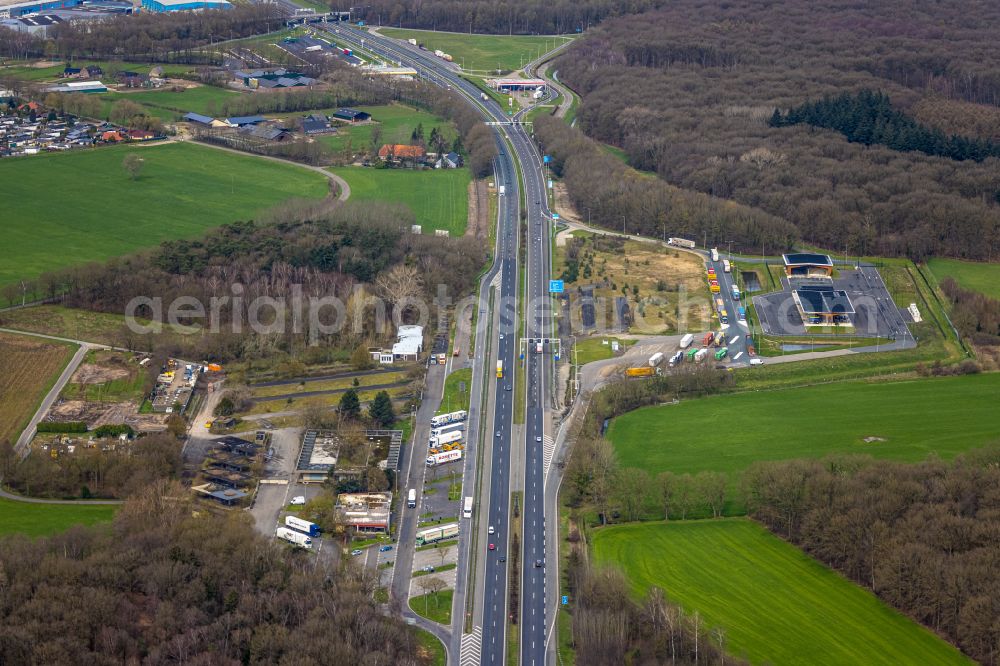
{"points": [[483, 53]]}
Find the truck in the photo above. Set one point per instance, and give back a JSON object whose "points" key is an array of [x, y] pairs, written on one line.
{"points": [[296, 523], [681, 242], [725, 265], [741, 313], [686, 340], [503, 190], [719, 305], [640, 372], [499, 369], [538, 347], [700, 356], [450, 417], [438, 52], [721, 354], [411, 498], [446, 438], [348, 52], [436, 432], [707, 339], [314, 48], [736, 292], [436, 459], [538, 94], [412, 42], [435, 534], [676, 358], [713, 286], [656, 359], [723, 316], [719, 339], [467, 508], [484, 97], [297, 538], [715, 254], [691, 353]]}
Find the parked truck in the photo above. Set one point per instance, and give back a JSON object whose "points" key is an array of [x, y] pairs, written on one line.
{"points": [[446, 438], [640, 372], [707, 339], [719, 339], [656, 359], [721, 354], [450, 417], [435, 534], [686, 340], [297, 538], [296, 523], [681, 242], [676, 358], [444, 457], [700, 356], [436, 432], [691, 353]]}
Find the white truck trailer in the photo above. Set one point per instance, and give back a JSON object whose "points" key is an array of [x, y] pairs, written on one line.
{"points": [[296, 538], [656, 359], [686, 340]]}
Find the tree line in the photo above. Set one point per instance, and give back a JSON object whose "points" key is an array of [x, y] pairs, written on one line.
{"points": [[93, 472], [166, 584], [869, 118], [975, 315], [354, 252], [686, 90], [923, 537], [518, 17], [609, 194], [144, 37]]}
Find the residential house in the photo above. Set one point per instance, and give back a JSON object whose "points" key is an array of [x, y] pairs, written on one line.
{"points": [[397, 153], [316, 124], [71, 72], [450, 161]]}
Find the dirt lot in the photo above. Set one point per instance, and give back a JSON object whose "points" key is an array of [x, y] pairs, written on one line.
{"points": [[96, 414], [27, 368], [662, 286], [90, 373]]}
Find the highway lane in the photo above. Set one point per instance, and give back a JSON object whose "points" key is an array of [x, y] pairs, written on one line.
{"points": [[735, 331], [537, 325]]}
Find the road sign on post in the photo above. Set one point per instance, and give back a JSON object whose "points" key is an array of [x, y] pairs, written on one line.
{"points": [[546, 159], [555, 216], [556, 286], [565, 600]]}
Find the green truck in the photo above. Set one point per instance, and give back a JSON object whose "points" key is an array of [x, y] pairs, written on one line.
{"points": [[721, 354]]}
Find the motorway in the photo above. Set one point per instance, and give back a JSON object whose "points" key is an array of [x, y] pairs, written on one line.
{"points": [[492, 612]]}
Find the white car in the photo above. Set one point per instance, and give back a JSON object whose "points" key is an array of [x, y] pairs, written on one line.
{"points": [[538, 439], [492, 530], [298, 500]]}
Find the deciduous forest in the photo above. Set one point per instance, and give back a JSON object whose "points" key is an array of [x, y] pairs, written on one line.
{"points": [[165, 585], [687, 90], [923, 537]]}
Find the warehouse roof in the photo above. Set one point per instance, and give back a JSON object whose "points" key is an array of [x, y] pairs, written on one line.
{"points": [[807, 258], [823, 300]]}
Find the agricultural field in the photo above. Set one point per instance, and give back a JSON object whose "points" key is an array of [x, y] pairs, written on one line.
{"points": [[29, 367], [905, 421], [482, 53], [773, 602], [45, 519], [183, 190], [974, 276], [53, 72], [454, 398], [666, 289], [171, 106], [439, 198], [100, 327], [397, 122]]}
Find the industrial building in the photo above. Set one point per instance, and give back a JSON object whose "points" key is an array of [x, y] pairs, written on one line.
{"points": [[352, 115], [366, 513], [516, 85], [820, 305], [184, 5], [808, 265], [80, 86]]}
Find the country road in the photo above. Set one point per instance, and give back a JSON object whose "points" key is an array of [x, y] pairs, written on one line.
{"points": [[40, 500]]}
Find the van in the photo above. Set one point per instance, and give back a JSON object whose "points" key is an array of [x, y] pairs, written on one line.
{"points": [[411, 499], [756, 361]]}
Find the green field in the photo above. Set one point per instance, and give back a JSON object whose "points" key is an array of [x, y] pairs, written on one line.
{"points": [[485, 53], [594, 349], [429, 646], [52, 73], [916, 418], [454, 399], [80, 206], [439, 198], [981, 277], [170, 105], [397, 122], [775, 603], [44, 519]]}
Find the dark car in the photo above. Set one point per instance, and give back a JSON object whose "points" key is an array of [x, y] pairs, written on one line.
{"points": [[384, 549], [538, 564]]}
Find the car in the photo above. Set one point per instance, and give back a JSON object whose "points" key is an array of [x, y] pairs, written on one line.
{"points": [[538, 564], [491, 530], [355, 552], [501, 336], [498, 433], [507, 388], [538, 438], [428, 569], [503, 558], [493, 546], [298, 500], [384, 549]]}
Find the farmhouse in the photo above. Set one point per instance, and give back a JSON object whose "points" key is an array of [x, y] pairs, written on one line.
{"points": [[316, 124], [450, 161], [807, 264], [823, 305], [351, 115], [396, 153]]}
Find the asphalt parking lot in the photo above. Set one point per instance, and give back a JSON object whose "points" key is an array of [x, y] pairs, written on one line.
{"points": [[272, 498], [876, 315]]}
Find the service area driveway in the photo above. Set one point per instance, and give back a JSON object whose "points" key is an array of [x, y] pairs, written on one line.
{"points": [[277, 485]]}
